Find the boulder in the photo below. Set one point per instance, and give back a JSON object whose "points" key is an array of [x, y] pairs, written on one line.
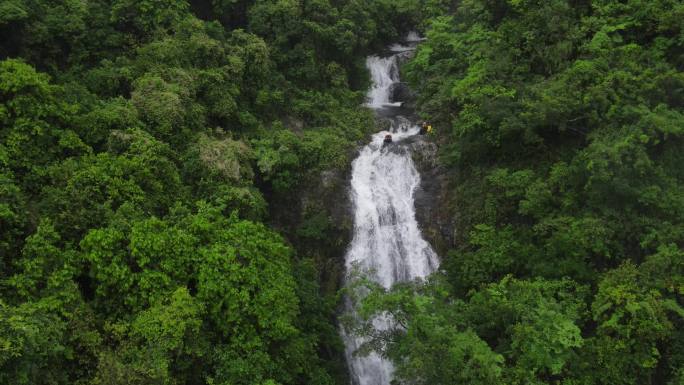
{"points": [[400, 92]]}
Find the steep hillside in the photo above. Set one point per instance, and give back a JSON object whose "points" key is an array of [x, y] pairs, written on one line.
{"points": [[561, 129]]}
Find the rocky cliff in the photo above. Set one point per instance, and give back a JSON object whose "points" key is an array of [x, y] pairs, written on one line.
{"points": [[431, 197]]}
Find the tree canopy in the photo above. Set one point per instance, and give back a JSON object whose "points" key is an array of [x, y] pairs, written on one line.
{"points": [[144, 149], [161, 220], [561, 128]]}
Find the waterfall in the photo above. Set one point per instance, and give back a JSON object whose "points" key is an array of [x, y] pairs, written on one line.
{"points": [[387, 242], [384, 72]]}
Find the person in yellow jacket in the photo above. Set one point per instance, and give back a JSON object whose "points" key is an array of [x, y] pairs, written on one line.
{"points": [[429, 129]]}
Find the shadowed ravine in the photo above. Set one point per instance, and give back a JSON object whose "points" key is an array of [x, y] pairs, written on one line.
{"points": [[387, 241]]}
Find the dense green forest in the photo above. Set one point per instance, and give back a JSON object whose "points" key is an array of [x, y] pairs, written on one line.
{"points": [[562, 127], [149, 155], [154, 155]]}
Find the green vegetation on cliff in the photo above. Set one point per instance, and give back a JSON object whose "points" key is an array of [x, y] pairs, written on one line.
{"points": [[146, 150], [562, 127], [161, 223]]}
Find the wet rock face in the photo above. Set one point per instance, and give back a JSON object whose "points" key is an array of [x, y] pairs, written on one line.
{"points": [[383, 124], [400, 92], [431, 199]]}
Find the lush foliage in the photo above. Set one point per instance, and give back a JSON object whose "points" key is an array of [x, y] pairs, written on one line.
{"points": [[562, 127], [159, 166], [145, 147]]}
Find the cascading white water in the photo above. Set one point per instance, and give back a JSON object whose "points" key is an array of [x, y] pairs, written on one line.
{"points": [[384, 72], [413, 37], [387, 242]]}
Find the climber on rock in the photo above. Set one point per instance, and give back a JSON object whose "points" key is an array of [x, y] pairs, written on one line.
{"points": [[423, 128]]}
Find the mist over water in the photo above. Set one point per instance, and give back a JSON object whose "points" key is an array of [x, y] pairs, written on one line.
{"points": [[387, 242]]}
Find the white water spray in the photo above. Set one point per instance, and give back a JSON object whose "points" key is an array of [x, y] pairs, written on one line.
{"points": [[384, 72], [387, 242]]}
